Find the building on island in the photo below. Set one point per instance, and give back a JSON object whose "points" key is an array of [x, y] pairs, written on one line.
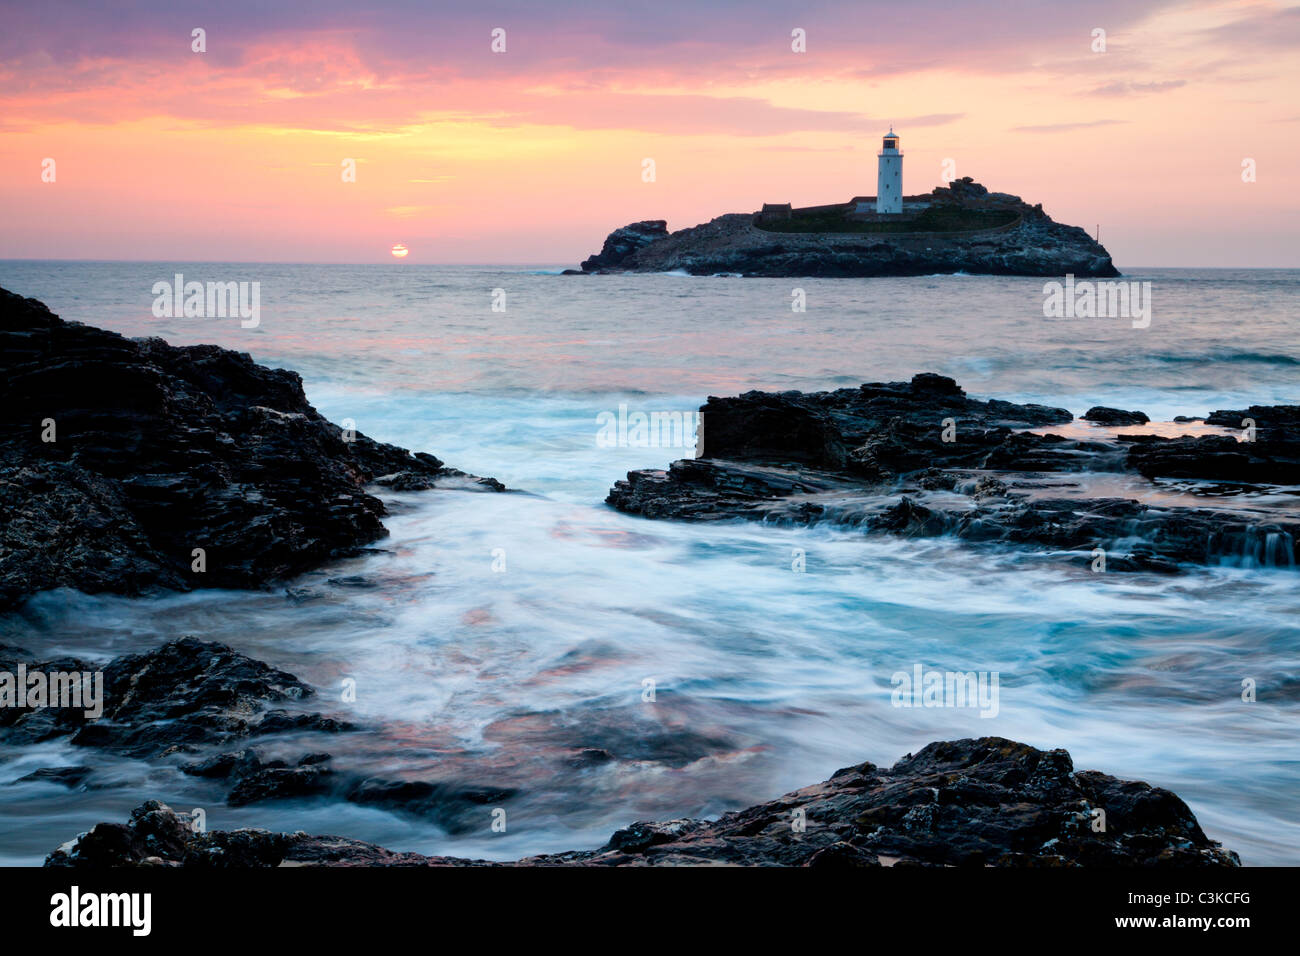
{"points": [[775, 211]]}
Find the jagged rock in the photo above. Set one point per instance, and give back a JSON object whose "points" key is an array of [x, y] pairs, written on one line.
{"points": [[989, 802], [186, 695], [621, 243], [160, 450], [847, 456]]}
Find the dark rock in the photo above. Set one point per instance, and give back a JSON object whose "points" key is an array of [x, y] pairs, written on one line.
{"points": [[457, 808], [282, 722], [454, 806], [161, 450], [70, 777], [406, 481], [225, 765], [190, 696], [1114, 416], [155, 835], [187, 695], [1285, 417], [985, 802], [823, 429], [274, 781], [847, 456], [621, 243], [1273, 458]]}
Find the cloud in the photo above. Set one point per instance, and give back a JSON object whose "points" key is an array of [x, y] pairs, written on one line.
{"points": [[1063, 127], [674, 37], [1125, 88], [408, 212], [1277, 29]]}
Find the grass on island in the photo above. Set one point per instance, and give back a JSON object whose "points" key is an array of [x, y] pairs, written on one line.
{"points": [[933, 219]]}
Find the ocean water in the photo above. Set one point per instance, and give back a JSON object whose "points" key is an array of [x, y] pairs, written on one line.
{"points": [[493, 637]]}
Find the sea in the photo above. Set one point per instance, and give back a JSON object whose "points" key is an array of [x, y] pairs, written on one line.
{"points": [[605, 669]]}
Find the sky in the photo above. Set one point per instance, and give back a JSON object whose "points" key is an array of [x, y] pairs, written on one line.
{"points": [[532, 154]]}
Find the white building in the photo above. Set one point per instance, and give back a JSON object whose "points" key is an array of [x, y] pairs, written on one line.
{"points": [[889, 177]]}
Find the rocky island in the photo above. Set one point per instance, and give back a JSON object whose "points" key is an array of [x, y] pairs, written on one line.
{"points": [[962, 227]]}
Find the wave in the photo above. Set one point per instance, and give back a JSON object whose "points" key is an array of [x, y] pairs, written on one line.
{"points": [[1261, 358]]}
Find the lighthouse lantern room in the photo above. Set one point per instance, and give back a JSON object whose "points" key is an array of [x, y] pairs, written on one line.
{"points": [[889, 176]]}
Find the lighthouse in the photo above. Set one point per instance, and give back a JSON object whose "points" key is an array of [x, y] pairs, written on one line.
{"points": [[889, 177]]}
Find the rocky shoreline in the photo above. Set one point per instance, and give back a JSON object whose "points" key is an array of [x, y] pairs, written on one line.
{"points": [[984, 802], [120, 457], [921, 459], [128, 465], [210, 711], [737, 244]]}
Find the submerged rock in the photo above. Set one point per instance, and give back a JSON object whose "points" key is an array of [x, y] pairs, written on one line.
{"points": [[985, 802], [192, 697], [921, 459], [70, 777], [185, 696], [450, 804], [121, 458]]}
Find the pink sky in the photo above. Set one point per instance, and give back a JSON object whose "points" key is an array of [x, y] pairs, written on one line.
{"points": [[534, 154]]}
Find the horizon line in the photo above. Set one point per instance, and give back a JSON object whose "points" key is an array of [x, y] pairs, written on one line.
{"points": [[540, 265]]}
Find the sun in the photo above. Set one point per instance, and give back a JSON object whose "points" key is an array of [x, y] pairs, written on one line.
{"points": [[400, 251]]}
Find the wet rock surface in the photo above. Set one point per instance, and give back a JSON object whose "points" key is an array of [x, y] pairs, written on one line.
{"points": [[453, 806], [203, 700], [179, 699], [119, 457], [973, 802], [921, 459], [735, 244]]}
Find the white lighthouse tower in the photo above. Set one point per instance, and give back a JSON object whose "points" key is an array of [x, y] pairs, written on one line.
{"points": [[889, 177]]}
